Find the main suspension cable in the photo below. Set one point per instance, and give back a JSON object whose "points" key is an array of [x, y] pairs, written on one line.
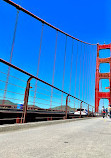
{"points": [[43, 21]]}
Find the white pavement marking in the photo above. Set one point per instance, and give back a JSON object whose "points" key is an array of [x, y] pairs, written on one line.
{"points": [[81, 139]]}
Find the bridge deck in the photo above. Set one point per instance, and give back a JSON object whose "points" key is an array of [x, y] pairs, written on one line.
{"points": [[80, 139]]}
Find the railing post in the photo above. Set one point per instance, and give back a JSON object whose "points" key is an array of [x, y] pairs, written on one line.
{"points": [[66, 105], [80, 108], [26, 99]]}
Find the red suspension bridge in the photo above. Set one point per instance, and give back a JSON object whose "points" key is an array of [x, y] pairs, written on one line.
{"points": [[53, 82]]}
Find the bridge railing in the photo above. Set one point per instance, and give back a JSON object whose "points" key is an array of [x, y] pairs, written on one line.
{"points": [[52, 54], [12, 89], [47, 97]]}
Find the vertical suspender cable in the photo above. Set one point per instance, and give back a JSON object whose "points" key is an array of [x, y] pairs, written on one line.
{"points": [[93, 49], [88, 67], [80, 70], [90, 83], [76, 75], [89, 87], [83, 73], [71, 67], [38, 63], [85, 76], [89, 76], [91, 69], [91, 61], [54, 69], [11, 54], [64, 71]]}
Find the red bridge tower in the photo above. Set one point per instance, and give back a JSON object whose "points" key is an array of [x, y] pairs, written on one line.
{"points": [[102, 95]]}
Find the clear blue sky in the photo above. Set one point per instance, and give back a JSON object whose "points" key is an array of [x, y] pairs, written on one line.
{"points": [[89, 21]]}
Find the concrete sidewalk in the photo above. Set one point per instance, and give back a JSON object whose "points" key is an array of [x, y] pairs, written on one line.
{"points": [[90, 138], [13, 127]]}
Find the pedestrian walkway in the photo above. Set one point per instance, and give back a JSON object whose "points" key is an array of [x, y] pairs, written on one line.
{"points": [[79, 139]]}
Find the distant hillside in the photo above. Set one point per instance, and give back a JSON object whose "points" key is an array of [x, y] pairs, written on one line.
{"points": [[63, 108], [7, 102]]}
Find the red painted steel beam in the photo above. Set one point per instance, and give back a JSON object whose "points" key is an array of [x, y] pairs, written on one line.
{"points": [[104, 60], [43, 21], [15, 67], [105, 46], [104, 95], [104, 76]]}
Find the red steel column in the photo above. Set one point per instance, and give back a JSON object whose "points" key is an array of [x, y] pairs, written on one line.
{"points": [[110, 77], [100, 95]]}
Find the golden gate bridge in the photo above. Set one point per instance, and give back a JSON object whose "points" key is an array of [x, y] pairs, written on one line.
{"points": [[41, 98]]}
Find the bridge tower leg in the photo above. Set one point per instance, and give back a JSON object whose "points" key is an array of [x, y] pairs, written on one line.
{"points": [[102, 95]]}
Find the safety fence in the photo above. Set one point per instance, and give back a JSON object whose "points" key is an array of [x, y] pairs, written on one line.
{"points": [[20, 91]]}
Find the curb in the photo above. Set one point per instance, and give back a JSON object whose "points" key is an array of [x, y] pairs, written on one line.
{"points": [[16, 127]]}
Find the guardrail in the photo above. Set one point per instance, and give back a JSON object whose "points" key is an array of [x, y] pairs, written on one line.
{"points": [[28, 90]]}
